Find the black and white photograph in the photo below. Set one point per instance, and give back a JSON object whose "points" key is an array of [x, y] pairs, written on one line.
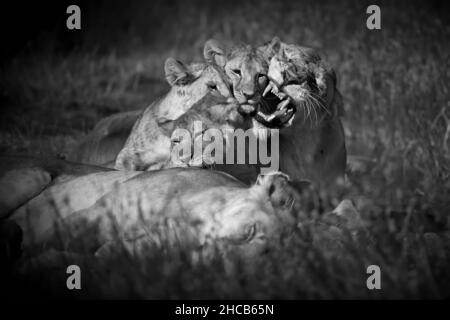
{"points": [[203, 150]]}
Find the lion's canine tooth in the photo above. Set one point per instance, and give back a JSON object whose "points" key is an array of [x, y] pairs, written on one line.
{"points": [[284, 103], [266, 117], [262, 115], [269, 87]]}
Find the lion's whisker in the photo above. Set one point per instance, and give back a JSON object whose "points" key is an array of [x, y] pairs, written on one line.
{"points": [[321, 102], [315, 103]]}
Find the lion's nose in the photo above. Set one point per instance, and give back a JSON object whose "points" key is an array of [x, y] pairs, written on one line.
{"points": [[247, 109], [248, 94]]}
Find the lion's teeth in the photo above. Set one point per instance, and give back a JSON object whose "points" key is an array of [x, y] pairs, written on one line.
{"points": [[268, 88], [277, 93], [284, 104], [266, 117]]}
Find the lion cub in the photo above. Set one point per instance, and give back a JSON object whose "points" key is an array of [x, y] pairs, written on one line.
{"points": [[148, 145]]}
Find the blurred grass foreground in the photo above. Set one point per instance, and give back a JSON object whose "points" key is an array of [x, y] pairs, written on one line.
{"points": [[395, 83]]}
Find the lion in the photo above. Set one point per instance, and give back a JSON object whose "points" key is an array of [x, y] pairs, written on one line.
{"points": [[189, 84], [147, 147], [302, 101], [84, 212], [158, 139], [245, 65], [23, 177]]}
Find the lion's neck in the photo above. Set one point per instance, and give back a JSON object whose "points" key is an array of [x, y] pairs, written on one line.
{"points": [[314, 153]]}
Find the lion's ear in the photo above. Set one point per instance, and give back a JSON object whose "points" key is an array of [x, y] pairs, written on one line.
{"points": [[166, 126], [274, 45], [271, 48], [215, 52], [176, 72]]}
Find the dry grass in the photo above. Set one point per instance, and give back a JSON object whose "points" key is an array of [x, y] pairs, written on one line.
{"points": [[395, 85]]}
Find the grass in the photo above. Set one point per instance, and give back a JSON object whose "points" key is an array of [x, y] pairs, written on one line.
{"points": [[396, 93]]}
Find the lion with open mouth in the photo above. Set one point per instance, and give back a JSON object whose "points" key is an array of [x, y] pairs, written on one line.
{"points": [[294, 91], [302, 101]]}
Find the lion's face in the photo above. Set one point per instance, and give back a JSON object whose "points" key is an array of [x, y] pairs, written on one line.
{"points": [[300, 86], [245, 66], [208, 120], [147, 147], [190, 84]]}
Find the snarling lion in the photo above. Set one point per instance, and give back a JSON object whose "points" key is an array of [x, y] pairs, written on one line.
{"points": [[289, 88], [303, 102], [80, 212]]}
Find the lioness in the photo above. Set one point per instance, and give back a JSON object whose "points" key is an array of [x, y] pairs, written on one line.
{"points": [[189, 84], [302, 100], [147, 148], [83, 213]]}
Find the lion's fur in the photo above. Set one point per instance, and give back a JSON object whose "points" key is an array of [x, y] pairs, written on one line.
{"points": [[102, 145], [83, 213], [148, 147], [313, 146]]}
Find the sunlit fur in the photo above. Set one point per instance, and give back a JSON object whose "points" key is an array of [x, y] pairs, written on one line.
{"points": [[84, 213]]}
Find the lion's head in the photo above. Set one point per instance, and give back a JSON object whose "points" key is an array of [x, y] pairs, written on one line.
{"points": [[301, 86], [245, 66], [189, 84]]}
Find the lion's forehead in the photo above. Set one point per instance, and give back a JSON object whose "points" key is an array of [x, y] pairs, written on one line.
{"points": [[301, 53], [293, 64], [247, 58]]}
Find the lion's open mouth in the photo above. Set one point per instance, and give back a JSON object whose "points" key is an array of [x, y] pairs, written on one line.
{"points": [[275, 109]]}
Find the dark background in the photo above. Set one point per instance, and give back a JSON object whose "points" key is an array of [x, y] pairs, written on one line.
{"points": [[31, 25]]}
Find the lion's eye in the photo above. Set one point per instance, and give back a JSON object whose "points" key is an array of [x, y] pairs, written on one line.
{"points": [[212, 86], [237, 72]]}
